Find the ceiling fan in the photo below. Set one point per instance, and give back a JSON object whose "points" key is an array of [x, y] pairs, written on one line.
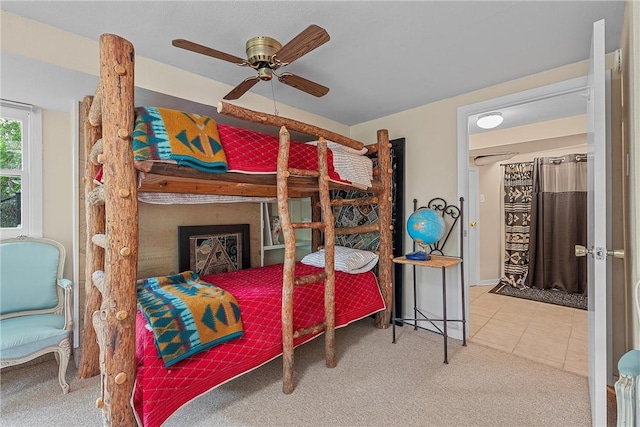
{"points": [[266, 55]]}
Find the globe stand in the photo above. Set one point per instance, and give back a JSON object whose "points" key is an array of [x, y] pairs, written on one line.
{"points": [[419, 255]]}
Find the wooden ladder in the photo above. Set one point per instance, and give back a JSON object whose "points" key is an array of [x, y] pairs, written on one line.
{"points": [[290, 281], [111, 212]]}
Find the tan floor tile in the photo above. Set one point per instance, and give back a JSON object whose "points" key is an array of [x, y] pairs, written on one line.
{"points": [[477, 320], [473, 330], [511, 316], [553, 335], [506, 346], [578, 347], [500, 328], [543, 345], [505, 342], [514, 306], [576, 363], [482, 311], [523, 302], [580, 332], [476, 290], [581, 317], [489, 301], [551, 326], [554, 308], [561, 314]]}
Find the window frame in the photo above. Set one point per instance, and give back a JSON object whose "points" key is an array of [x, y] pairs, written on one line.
{"points": [[31, 173]]}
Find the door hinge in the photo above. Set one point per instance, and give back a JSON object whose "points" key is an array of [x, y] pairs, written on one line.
{"points": [[617, 60]]}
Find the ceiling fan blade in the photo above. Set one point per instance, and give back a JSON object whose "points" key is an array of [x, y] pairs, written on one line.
{"points": [[242, 88], [303, 84], [310, 38], [198, 48]]}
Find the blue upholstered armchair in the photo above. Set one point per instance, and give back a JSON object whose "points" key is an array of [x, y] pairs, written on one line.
{"points": [[628, 385], [35, 303]]}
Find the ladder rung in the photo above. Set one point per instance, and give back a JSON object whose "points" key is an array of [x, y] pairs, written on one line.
{"points": [[309, 278], [314, 329], [368, 228], [308, 225], [354, 202], [303, 172]]}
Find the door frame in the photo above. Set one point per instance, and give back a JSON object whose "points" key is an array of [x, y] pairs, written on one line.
{"points": [[464, 112], [473, 210]]}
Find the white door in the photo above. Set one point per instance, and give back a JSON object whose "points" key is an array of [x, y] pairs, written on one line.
{"points": [[597, 228]]}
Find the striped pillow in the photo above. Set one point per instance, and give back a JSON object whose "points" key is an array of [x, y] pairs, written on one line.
{"points": [[348, 260]]}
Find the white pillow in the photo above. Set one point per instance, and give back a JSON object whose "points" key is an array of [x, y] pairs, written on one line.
{"points": [[348, 260]]}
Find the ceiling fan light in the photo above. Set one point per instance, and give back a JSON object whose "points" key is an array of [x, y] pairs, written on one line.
{"points": [[489, 120]]}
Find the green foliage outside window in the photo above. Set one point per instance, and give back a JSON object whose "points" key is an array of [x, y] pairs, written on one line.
{"points": [[10, 159]]}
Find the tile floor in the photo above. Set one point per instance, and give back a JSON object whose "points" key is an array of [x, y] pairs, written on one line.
{"points": [[547, 333]]}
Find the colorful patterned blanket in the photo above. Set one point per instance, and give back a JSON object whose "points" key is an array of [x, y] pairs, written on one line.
{"points": [[189, 139], [187, 315]]}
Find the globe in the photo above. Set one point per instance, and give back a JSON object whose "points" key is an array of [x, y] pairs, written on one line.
{"points": [[425, 227]]}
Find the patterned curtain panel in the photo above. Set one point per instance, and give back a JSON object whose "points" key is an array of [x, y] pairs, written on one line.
{"points": [[518, 187], [558, 223]]}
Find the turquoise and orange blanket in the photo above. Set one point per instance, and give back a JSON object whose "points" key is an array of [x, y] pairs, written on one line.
{"points": [[187, 315], [162, 134]]}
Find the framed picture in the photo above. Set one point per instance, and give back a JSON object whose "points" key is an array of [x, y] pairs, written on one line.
{"points": [[211, 249]]}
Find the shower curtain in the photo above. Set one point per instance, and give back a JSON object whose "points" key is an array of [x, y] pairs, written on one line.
{"points": [[518, 187], [558, 223]]}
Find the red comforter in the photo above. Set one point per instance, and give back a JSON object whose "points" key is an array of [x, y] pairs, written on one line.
{"points": [[249, 151], [160, 391]]}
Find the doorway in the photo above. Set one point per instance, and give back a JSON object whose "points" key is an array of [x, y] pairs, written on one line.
{"points": [[616, 320], [516, 320]]}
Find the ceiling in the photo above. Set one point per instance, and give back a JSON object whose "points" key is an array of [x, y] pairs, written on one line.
{"points": [[383, 57]]}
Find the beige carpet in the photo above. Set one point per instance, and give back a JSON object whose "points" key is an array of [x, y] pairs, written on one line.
{"points": [[376, 383]]}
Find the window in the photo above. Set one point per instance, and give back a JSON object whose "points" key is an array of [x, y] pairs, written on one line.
{"points": [[20, 170]]}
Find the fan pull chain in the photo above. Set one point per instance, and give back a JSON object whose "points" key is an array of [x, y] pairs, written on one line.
{"points": [[273, 95]]}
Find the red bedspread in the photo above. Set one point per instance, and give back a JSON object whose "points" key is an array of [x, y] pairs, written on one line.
{"points": [[249, 151], [161, 391]]}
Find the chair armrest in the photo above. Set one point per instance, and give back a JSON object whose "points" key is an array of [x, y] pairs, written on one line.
{"points": [[67, 286]]}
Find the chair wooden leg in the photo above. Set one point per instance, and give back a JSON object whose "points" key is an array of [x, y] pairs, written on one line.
{"points": [[63, 354]]}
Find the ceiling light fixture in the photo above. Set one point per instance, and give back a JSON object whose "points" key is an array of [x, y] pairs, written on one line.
{"points": [[489, 120]]}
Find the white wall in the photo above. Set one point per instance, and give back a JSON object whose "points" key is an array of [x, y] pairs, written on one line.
{"points": [[57, 152]]}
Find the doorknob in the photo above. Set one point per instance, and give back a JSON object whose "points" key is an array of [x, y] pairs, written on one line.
{"points": [[473, 224], [616, 253], [582, 251]]}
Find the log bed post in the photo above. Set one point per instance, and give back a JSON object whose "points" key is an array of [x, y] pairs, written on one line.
{"points": [[385, 267], [94, 217], [117, 316], [288, 269]]}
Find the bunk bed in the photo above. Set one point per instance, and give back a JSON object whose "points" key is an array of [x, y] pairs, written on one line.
{"points": [[136, 387]]}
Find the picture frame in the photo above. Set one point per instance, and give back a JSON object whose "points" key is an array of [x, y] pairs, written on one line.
{"points": [[212, 249]]}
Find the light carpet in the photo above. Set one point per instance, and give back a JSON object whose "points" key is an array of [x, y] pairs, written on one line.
{"points": [[376, 383]]}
